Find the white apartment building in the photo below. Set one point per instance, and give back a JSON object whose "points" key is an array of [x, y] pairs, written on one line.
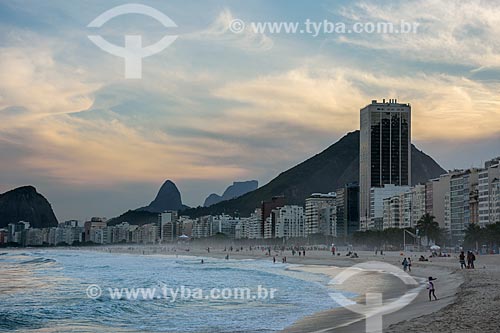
{"points": [[495, 201], [377, 196], [202, 227], [404, 210], [269, 226], [488, 178], [167, 226], [318, 213], [418, 204], [225, 224], [463, 202], [290, 221], [392, 216], [249, 227]]}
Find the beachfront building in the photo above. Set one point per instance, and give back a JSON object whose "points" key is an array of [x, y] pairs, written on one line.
{"points": [[269, 226], [463, 202], [224, 224], [385, 151], [92, 231], [377, 197], [488, 180], [405, 209], [289, 221], [391, 215], [145, 234], [167, 226], [202, 227], [185, 226], [438, 199], [418, 204], [240, 230], [347, 205], [495, 201], [16, 232], [266, 209], [34, 237], [320, 213], [249, 227], [121, 233]]}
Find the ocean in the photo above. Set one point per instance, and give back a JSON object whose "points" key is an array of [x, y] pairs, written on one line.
{"points": [[86, 291]]}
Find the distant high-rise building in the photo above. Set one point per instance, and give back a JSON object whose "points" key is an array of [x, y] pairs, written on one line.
{"points": [[319, 214], [463, 203], [347, 205], [377, 197], [267, 208], [289, 221], [488, 182], [385, 150], [167, 223]]}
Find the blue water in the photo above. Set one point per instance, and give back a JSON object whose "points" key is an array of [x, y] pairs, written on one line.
{"points": [[45, 291]]}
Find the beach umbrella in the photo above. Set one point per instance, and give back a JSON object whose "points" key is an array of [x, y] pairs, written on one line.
{"points": [[183, 237], [435, 247]]}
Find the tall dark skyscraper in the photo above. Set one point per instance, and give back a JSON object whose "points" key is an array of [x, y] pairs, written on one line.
{"points": [[385, 150], [347, 202]]}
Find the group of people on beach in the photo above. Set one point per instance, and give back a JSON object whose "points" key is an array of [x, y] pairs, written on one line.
{"points": [[406, 264], [283, 260], [470, 258]]}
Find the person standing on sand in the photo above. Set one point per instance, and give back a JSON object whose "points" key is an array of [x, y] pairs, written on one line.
{"points": [[274, 259], [432, 289], [405, 264], [468, 259], [409, 264], [461, 258]]}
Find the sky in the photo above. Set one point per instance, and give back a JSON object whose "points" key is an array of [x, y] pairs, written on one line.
{"points": [[218, 106]]}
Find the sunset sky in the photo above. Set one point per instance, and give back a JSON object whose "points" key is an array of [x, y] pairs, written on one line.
{"points": [[215, 106]]}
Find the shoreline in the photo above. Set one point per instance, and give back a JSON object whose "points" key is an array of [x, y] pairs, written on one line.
{"points": [[322, 262], [454, 288]]}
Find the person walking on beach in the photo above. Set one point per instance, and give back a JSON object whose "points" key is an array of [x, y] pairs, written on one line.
{"points": [[461, 258], [405, 264], [472, 259], [274, 259], [409, 264], [432, 289]]}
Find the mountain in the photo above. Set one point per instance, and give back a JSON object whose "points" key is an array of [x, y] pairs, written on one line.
{"points": [[26, 204], [168, 198], [135, 217], [233, 191], [324, 172]]}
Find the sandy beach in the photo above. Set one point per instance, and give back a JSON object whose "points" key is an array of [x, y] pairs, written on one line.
{"points": [[467, 299]]}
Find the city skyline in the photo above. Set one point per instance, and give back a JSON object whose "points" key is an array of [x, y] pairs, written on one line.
{"points": [[99, 144]]}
